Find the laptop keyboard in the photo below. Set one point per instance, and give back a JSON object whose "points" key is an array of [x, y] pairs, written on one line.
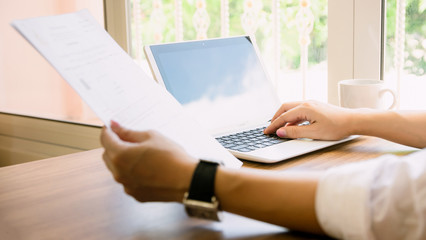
{"points": [[249, 140]]}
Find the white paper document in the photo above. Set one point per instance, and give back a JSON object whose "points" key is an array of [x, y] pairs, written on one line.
{"points": [[111, 83]]}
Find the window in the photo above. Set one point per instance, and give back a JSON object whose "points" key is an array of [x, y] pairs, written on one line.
{"points": [[302, 42], [354, 43], [291, 35], [405, 51]]}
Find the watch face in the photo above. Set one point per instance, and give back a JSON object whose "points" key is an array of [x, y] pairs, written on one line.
{"points": [[210, 214], [200, 209]]}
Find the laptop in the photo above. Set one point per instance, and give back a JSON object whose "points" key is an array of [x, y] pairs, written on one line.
{"points": [[223, 84]]}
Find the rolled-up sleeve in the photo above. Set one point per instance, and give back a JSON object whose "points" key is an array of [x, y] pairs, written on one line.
{"points": [[383, 198]]}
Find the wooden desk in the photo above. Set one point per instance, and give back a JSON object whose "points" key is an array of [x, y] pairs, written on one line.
{"points": [[75, 197]]}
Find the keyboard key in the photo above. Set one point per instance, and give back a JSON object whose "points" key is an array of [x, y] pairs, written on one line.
{"points": [[249, 140]]}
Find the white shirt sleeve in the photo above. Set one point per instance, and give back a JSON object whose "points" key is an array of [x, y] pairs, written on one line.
{"points": [[383, 198]]}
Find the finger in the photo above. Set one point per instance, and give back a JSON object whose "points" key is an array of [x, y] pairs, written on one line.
{"points": [[308, 131], [110, 141], [107, 161], [284, 108], [128, 135], [137, 193], [291, 117], [115, 165], [293, 132]]}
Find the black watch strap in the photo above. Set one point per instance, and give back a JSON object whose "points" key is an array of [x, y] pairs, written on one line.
{"points": [[202, 184], [200, 200]]}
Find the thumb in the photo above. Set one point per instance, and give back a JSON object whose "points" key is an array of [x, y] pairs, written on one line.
{"points": [[126, 134], [294, 131]]}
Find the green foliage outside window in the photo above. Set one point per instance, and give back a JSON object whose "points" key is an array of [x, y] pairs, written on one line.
{"points": [[415, 32], [290, 49]]}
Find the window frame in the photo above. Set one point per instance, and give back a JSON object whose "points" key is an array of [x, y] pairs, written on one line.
{"points": [[355, 42], [25, 138], [117, 21]]}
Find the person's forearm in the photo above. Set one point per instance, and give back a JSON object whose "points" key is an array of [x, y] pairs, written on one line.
{"points": [[285, 199], [408, 128]]}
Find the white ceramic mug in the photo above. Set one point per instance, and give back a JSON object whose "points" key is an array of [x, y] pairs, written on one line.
{"points": [[364, 93]]}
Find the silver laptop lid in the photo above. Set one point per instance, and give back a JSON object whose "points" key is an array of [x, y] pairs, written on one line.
{"points": [[221, 82]]}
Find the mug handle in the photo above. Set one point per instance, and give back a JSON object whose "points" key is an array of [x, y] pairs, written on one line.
{"points": [[383, 91]]}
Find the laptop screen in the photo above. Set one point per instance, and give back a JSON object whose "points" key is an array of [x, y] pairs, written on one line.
{"points": [[220, 81]]}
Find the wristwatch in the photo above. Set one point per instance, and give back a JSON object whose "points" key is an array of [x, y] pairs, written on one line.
{"points": [[200, 201]]}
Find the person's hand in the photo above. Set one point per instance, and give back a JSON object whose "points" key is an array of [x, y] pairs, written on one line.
{"points": [[150, 166], [326, 122]]}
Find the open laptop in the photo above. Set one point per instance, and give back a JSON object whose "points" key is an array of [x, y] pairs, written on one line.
{"points": [[223, 84]]}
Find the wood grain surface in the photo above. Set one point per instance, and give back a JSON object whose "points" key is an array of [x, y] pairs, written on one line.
{"points": [[75, 197]]}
